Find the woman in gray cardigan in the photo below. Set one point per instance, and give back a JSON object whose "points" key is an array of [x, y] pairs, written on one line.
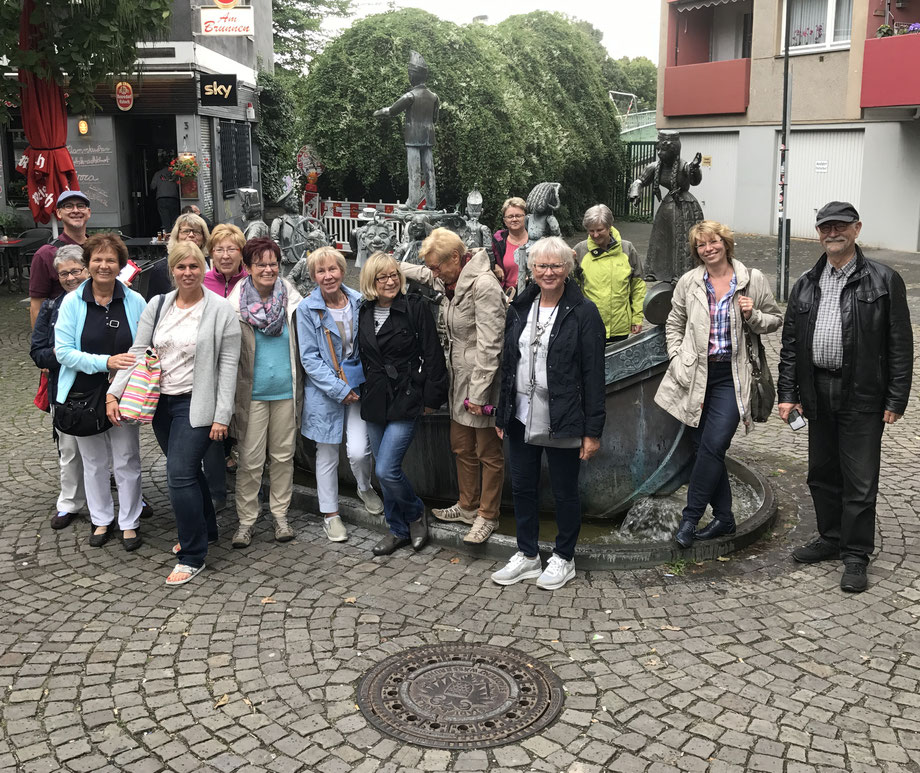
{"points": [[197, 337]]}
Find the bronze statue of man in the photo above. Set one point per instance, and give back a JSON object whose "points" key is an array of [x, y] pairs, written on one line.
{"points": [[420, 105]]}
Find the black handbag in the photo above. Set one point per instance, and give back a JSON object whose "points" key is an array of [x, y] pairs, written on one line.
{"points": [[763, 392], [83, 413]]}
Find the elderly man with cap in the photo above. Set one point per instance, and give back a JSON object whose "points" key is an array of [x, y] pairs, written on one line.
{"points": [[73, 213], [846, 363]]}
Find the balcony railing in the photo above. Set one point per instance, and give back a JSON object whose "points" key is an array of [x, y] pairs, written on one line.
{"points": [[709, 88], [890, 67]]}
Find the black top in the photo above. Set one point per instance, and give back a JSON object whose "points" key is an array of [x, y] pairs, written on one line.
{"points": [[403, 363], [105, 331], [574, 364]]}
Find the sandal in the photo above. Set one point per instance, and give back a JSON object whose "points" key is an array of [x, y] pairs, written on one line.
{"points": [[191, 571]]}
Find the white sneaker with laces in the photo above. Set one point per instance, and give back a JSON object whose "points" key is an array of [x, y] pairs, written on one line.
{"points": [[520, 567], [557, 573], [372, 501]]}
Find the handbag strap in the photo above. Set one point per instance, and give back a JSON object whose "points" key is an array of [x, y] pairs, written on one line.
{"points": [[749, 345], [335, 360]]}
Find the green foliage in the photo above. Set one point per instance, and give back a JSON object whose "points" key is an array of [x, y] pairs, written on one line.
{"points": [[279, 132], [637, 76], [80, 45], [296, 27], [521, 103]]}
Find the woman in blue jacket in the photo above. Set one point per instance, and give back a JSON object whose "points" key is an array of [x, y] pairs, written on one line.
{"points": [[327, 328], [95, 327]]}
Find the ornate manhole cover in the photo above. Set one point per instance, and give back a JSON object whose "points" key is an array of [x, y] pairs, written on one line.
{"points": [[460, 696]]}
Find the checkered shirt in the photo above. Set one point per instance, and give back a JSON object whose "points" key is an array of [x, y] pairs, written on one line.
{"points": [[827, 344], [720, 338]]}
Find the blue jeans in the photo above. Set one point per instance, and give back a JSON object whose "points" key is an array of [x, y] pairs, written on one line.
{"points": [[564, 464], [215, 470], [185, 447], [711, 439], [389, 443]]}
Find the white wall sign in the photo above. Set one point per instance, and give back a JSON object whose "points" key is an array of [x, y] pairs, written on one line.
{"points": [[820, 167], [238, 21]]}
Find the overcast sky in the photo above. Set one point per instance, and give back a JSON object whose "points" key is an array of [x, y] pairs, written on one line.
{"points": [[630, 27]]}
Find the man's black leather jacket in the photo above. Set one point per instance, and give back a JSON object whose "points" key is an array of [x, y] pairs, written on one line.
{"points": [[878, 345]]}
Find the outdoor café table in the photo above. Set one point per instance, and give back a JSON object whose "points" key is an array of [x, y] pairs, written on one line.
{"points": [[11, 252]]}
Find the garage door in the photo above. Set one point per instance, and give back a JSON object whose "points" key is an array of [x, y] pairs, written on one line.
{"points": [[823, 166], [716, 193]]}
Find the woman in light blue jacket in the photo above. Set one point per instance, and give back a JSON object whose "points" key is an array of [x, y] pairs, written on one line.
{"points": [[327, 329], [95, 327]]}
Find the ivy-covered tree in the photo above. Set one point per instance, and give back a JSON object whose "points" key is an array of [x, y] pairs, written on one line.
{"points": [[296, 25], [278, 132], [81, 44], [521, 102]]}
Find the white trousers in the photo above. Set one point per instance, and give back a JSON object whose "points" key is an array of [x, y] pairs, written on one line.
{"points": [[72, 498], [125, 447], [271, 427], [358, 450]]}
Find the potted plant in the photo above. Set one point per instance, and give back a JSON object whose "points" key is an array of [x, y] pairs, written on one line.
{"points": [[184, 169], [884, 31], [10, 224]]}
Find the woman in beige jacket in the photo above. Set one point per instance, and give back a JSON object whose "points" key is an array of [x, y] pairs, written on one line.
{"points": [[269, 388], [708, 381], [473, 313]]}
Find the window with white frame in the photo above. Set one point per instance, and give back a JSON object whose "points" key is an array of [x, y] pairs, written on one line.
{"points": [[819, 24]]}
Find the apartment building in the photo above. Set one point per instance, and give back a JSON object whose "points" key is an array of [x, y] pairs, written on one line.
{"points": [[854, 110]]}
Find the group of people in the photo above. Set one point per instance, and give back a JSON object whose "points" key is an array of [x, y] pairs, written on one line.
{"points": [[245, 359]]}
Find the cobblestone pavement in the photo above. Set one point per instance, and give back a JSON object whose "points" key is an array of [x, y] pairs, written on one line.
{"points": [[752, 664]]}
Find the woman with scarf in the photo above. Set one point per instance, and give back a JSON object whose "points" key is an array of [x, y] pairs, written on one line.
{"points": [[269, 388]]}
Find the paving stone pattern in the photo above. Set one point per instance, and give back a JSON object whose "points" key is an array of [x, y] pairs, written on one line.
{"points": [[751, 664]]}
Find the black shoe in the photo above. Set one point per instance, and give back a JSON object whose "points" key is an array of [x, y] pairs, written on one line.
{"points": [[131, 544], [146, 511], [685, 531], [716, 528], [98, 540], [418, 531], [61, 520], [818, 549], [389, 544], [854, 578]]}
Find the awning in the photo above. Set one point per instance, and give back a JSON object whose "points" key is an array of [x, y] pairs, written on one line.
{"points": [[692, 5]]}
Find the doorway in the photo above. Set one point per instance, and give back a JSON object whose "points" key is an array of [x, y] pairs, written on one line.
{"points": [[154, 144]]}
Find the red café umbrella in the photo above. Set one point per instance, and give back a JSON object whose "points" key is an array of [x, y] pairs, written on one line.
{"points": [[46, 162]]}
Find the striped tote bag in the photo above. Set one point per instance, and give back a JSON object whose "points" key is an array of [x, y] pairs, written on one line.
{"points": [[139, 401]]}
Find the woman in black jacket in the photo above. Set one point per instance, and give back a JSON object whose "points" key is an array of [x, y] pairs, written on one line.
{"points": [[552, 401], [405, 376]]}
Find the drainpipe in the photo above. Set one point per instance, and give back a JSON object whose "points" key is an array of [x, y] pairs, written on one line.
{"points": [[782, 251]]}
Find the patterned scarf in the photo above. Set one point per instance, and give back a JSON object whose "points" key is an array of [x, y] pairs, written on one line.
{"points": [[267, 316]]}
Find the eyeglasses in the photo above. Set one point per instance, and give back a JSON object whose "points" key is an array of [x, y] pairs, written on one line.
{"points": [[386, 278], [218, 251], [546, 268], [265, 266], [189, 232], [69, 205], [827, 228], [68, 274], [514, 217]]}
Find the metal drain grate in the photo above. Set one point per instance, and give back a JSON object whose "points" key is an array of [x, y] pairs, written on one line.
{"points": [[460, 696]]}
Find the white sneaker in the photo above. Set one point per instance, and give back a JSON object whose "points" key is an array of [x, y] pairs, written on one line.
{"points": [[455, 513], [520, 567], [372, 501], [335, 529], [557, 573]]}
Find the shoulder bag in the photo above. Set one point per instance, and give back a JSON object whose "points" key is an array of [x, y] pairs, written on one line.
{"points": [[350, 370], [139, 401], [763, 393]]}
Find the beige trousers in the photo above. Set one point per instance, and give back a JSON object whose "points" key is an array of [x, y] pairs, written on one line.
{"points": [[271, 428]]}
